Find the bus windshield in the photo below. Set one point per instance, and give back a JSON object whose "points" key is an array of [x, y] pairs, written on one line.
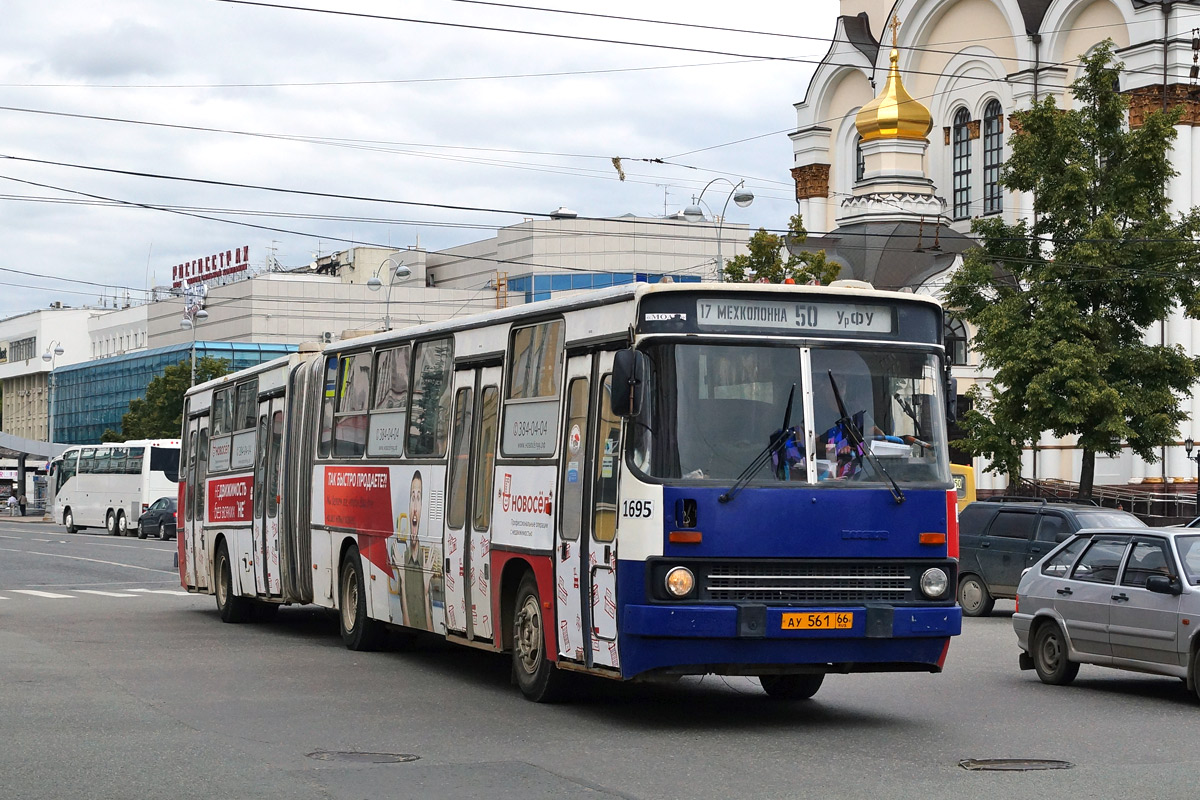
{"points": [[715, 410]]}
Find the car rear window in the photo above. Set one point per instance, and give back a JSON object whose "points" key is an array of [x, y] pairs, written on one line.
{"points": [[1108, 519]]}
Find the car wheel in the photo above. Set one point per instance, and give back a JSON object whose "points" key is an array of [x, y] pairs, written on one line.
{"points": [[162, 534], [141, 530], [974, 597], [110, 523], [791, 687], [69, 521], [1196, 673], [359, 631], [1050, 656], [536, 676], [231, 607]]}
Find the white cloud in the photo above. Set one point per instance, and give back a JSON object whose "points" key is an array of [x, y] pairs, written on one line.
{"points": [[63, 56]]}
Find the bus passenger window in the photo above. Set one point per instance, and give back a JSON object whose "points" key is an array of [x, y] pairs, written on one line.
{"points": [[325, 443], [459, 459], [574, 453], [389, 406], [273, 466], [485, 463], [429, 415], [531, 408], [350, 424], [607, 467]]}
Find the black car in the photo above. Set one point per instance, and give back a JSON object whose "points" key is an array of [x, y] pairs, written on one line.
{"points": [[1000, 538], [159, 519]]}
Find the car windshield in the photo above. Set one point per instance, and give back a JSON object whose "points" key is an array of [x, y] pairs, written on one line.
{"points": [[714, 410], [1189, 555], [1108, 519]]}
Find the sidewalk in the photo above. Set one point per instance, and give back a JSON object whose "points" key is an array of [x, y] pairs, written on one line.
{"points": [[30, 516]]}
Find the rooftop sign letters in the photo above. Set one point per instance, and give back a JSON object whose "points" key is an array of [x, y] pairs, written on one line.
{"points": [[216, 268]]}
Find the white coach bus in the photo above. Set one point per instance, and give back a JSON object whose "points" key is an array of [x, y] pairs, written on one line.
{"points": [[110, 485]]}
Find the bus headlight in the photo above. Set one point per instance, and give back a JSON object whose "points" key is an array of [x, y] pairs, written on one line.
{"points": [[934, 582], [680, 582]]}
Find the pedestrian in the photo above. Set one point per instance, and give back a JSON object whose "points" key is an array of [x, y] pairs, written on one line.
{"points": [[12, 505], [22, 501]]}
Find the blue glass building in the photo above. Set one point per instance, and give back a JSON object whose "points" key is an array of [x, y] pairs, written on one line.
{"points": [[93, 396], [543, 287]]}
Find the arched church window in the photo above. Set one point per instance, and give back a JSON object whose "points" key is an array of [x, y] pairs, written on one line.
{"points": [[962, 164], [993, 157], [860, 163], [956, 341]]}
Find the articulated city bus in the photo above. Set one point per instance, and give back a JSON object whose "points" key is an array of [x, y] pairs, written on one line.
{"points": [[637, 483], [110, 485]]}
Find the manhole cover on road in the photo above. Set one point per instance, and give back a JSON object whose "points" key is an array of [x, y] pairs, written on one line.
{"points": [[1013, 764], [363, 758]]}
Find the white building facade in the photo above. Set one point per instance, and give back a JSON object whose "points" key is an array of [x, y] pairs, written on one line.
{"points": [[972, 63]]}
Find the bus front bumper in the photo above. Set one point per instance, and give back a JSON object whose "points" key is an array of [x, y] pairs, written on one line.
{"points": [[745, 638]]}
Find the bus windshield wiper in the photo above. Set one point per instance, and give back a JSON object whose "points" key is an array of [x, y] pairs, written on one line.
{"points": [[857, 443], [776, 443]]}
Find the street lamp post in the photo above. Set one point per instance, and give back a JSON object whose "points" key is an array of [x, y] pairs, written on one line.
{"points": [[190, 320], [1188, 444], [53, 351], [695, 213], [375, 282]]}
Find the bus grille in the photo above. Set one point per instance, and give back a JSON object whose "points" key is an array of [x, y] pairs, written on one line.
{"points": [[821, 582]]}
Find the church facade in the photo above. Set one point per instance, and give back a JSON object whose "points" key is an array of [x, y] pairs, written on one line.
{"points": [[903, 131]]}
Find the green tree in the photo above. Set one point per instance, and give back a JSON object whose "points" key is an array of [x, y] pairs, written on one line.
{"points": [[1061, 304], [159, 415], [765, 262]]}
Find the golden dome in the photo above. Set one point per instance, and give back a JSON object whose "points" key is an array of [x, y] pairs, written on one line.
{"points": [[894, 114]]}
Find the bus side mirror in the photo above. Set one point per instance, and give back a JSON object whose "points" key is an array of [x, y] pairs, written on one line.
{"points": [[628, 382]]}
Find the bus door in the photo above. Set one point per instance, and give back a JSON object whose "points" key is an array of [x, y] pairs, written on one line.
{"points": [[605, 453], [192, 538], [267, 468], [570, 578], [467, 578]]}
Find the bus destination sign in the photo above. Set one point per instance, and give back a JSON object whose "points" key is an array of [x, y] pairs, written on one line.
{"points": [[793, 315]]}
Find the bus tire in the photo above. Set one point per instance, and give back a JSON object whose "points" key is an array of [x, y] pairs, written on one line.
{"points": [[974, 597], [791, 687], [110, 523], [231, 607], [359, 632], [538, 678], [122, 524], [69, 521]]}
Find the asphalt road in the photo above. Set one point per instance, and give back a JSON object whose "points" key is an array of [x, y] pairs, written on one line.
{"points": [[120, 688]]}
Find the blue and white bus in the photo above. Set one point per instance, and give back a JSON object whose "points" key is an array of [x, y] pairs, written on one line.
{"points": [[636, 483]]}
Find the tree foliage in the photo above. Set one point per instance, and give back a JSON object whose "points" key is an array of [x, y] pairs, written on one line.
{"points": [[1062, 304], [765, 262], [159, 415]]}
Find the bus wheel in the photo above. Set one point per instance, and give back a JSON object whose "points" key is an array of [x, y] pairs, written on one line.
{"points": [[974, 597], [69, 521], [538, 678], [791, 687], [358, 631], [230, 607], [122, 524], [110, 523]]}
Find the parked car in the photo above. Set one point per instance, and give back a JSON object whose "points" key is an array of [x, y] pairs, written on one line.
{"points": [[1115, 597], [159, 519], [1000, 538]]}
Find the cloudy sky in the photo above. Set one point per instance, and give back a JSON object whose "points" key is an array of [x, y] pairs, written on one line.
{"points": [[300, 132]]}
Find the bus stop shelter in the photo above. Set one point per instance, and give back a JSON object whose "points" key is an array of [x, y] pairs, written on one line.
{"points": [[22, 450]]}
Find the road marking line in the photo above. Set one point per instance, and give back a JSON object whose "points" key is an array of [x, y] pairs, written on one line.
{"points": [[106, 594], [162, 591], [49, 595], [93, 560]]}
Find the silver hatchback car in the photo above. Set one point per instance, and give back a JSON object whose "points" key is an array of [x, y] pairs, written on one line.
{"points": [[1117, 598]]}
